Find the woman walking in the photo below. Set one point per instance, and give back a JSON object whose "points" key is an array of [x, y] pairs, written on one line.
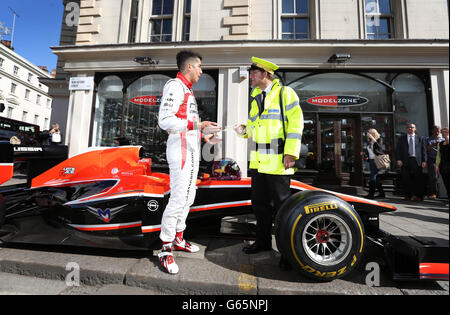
{"points": [[373, 149]]}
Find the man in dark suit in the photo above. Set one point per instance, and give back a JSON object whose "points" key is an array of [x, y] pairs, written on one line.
{"points": [[412, 158]]}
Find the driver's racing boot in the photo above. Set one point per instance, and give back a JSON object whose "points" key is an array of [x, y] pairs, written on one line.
{"points": [[166, 259], [181, 244]]}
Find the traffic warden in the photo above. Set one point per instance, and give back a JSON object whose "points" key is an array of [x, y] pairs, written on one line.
{"points": [[274, 149]]}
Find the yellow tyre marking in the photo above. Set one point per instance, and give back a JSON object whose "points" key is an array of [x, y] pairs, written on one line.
{"points": [[360, 228], [292, 240]]}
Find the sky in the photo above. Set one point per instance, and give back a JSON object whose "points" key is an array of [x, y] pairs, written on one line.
{"points": [[37, 28]]}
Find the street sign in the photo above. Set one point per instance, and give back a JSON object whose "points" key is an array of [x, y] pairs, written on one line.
{"points": [[81, 83]]}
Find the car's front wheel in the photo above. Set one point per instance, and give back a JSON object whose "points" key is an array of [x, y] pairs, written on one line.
{"points": [[320, 234]]}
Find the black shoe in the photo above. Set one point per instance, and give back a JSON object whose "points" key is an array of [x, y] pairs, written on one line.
{"points": [[284, 264], [255, 248]]}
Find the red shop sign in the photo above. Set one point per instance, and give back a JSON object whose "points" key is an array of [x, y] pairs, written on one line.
{"points": [[145, 100], [337, 100]]}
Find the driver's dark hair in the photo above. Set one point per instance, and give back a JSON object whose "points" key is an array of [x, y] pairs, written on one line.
{"points": [[184, 56]]}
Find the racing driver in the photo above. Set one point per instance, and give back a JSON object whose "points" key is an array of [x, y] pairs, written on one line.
{"points": [[178, 115]]}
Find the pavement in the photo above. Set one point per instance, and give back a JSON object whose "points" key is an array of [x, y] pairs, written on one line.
{"points": [[220, 268]]}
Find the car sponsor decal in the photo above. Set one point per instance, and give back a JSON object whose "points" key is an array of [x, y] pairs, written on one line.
{"points": [[105, 215], [152, 205], [318, 207], [67, 171]]}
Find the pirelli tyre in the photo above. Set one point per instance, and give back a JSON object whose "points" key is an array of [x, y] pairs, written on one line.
{"points": [[320, 234]]}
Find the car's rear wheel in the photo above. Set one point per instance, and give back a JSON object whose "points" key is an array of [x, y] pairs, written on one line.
{"points": [[320, 234]]}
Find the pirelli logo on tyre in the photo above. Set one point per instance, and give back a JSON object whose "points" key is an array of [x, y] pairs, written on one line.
{"points": [[319, 207], [327, 274]]}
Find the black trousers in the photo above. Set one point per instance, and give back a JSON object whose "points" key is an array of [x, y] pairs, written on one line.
{"points": [[432, 180], [446, 179], [268, 194], [413, 179]]}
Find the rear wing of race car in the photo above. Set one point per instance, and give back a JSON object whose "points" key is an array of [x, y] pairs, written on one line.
{"points": [[6, 162], [34, 160]]}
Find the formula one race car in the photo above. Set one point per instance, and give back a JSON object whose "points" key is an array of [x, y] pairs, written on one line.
{"points": [[111, 198]]}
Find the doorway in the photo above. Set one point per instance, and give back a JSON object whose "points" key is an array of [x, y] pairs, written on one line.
{"points": [[339, 146]]}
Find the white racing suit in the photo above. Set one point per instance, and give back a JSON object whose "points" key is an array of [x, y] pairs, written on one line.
{"points": [[177, 115]]}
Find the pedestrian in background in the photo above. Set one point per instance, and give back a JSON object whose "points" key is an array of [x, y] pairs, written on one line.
{"points": [[432, 148], [412, 158], [374, 147], [55, 135], [442, 160]]}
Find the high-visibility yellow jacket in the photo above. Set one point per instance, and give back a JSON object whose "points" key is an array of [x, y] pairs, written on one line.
{"points": [[265, 130]]}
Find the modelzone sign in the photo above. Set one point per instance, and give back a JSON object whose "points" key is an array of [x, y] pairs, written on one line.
{"points": [[145, 100], [337, 100]]}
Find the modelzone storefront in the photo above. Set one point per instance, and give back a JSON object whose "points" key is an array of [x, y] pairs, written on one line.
{"points": [[339, 108], [341, 102]]}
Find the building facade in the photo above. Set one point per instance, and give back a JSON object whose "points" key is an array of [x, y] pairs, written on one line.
{"points": [[355, 64], [25, 98]]}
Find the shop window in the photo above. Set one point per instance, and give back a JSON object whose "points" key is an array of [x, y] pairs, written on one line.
{"points": [[141, 116], [309, 140], [161, 21], [295, 19], [205, 91], [410, 104], [379, 19], [108, 112], [142, 120], [139, 122]]}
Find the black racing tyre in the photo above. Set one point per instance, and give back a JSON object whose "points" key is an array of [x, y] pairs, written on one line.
{"points": [[320, 234]]}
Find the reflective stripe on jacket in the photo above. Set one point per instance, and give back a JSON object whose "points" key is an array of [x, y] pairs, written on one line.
{"points": [[265, 130]]}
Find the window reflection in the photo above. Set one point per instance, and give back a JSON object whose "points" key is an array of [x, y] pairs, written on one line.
{"points": [[108, 112], [410, 103], [140, 119]]}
